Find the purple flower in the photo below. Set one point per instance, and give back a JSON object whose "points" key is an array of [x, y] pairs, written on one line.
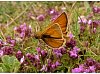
{"points": [[30, 28], [76, 70], [81, 66], [90, 16], [57, 63], [11, 41], [90, 22], [8, 38], [15, 28], [22, 34], [52, 12], [36, 57], [49, 62], [1, 53], [41, 17], [57, 50], [19, 55], [82, 29], [30, 57], [5, 43], [90, 62], [62, 50], [7, 50], [38, 50], [44, 68], [73, 54], [97, 65], [1, 43], [94, 30], [22, 26], [18, 29], [96, 9], [96, 23], [43, 53], [82, 20], [22, 60], [92, 68], [86, 70], [37, 64], [81, 69], [54, 17], [71, 43], [53, 66], [76, 49], [58, 53], [71, 35], [23, 31]]}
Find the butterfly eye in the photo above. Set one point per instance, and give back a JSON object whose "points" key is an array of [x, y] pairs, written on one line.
{"points": [[38, 35]]}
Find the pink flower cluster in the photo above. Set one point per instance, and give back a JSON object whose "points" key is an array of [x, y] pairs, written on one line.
{"points": [[23, 31], [90, 66]]}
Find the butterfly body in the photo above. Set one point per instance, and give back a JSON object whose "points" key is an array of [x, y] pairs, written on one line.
{"points": [[53, 35], [39, 36]]}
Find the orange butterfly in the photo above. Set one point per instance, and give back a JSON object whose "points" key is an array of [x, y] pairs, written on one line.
{"points": [[54, 34]]}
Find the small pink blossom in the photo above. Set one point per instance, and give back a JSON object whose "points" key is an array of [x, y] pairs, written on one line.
{"points": [[1, 53], [41, 17], [82, 19], [37, 57], [71, 35], [22, 60]]}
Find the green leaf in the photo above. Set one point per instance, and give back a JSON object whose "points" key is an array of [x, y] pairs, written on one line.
{"points": [[65, 59], [87, 6], [16, 64], [5, 67], [1, 70], [10, 64], [5, 59]]}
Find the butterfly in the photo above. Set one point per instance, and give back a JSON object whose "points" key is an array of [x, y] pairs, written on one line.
{"points": [[54, 34]]}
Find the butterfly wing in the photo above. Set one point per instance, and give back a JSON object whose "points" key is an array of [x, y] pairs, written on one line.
{"points": [[53, 31], [53, 36], [55, 43], [62, 21]]}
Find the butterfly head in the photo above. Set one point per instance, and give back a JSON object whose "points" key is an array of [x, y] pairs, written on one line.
{"points": [[37, 35]]}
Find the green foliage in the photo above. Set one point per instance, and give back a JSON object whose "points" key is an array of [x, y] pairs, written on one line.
{"points": [[9, 64], [88, 8]]}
